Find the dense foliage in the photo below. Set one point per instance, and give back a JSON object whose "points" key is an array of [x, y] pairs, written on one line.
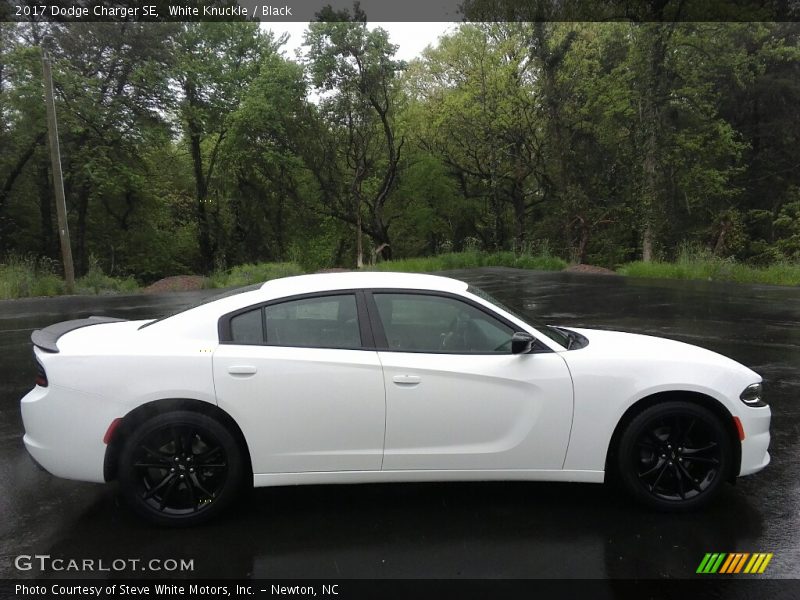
{"points": [[193, 147]]}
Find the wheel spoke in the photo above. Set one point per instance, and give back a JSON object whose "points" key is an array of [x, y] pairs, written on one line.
{"points": [[192, 497], [156, 454], [152, 491], [706, 448], [660, 474], [688, 431], [651, 470], [196, 481], [204, 458], [654, 438], [144, 465], [675, 434], [701, 459], [679, 478], [689, 478], [167, 493], [648, 444], [177, 441]]}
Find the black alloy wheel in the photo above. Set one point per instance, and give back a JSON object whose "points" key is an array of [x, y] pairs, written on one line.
{"points": [[180, 468], [674, 456]]}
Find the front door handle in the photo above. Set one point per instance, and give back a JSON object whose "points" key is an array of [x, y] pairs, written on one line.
{"points": [[244, 370], [406, 379]]}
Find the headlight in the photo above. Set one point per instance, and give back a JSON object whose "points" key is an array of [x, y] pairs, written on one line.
{"points": [[752, 395]]}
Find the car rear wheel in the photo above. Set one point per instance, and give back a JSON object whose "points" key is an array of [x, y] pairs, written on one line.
{"points": [[180, 468], [674, 456]]}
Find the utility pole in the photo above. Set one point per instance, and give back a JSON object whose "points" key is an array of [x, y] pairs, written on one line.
{"points": [[58, 179]]}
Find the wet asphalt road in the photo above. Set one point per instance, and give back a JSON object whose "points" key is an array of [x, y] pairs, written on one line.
{"points": [[475, 530]]}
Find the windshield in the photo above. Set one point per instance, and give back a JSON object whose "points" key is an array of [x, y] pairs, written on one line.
{"points": [[550, 331]]}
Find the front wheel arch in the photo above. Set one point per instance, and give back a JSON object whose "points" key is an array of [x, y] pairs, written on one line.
{"points": [[703, 400], [142, 413]]}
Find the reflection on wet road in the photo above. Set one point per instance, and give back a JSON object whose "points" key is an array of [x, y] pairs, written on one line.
{"points": [[443, 530]]}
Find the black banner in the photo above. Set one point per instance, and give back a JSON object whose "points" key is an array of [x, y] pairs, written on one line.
{"points": [[401, 11], [392, 589]]}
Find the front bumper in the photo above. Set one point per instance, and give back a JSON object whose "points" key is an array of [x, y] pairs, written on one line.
{"points": [[755, 454]]}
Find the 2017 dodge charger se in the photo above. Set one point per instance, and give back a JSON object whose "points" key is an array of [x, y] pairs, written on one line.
{"points": [[381, 377]]}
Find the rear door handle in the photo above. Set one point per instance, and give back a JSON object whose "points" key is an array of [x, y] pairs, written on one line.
{"points": [[242, 370], [406, 379]]}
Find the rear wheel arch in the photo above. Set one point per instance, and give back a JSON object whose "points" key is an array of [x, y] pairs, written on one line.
{"points": [[712, 404], [143, 413]]}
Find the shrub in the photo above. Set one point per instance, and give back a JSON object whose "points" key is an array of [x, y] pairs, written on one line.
{"points": [[97, 282], [697, 263], [249, 273], [24, 276], [470, 259]]}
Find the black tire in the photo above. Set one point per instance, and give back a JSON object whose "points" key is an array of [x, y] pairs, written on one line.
{"points": [[674, 456], [180, 468]]}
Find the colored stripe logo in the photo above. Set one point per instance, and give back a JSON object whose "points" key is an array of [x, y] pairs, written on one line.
{"points": [[735, 562]]}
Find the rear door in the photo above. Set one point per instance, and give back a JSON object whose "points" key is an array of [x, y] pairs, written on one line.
{"points": [[301, 380]]}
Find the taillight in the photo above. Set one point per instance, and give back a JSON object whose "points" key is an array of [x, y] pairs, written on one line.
{"points": [[112, 429], [41, 376]]}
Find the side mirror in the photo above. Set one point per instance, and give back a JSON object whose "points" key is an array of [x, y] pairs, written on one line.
{"points": [[521, 342]]}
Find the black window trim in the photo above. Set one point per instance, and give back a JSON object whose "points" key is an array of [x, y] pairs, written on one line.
{"points": [[364, 322], [382, 344]]}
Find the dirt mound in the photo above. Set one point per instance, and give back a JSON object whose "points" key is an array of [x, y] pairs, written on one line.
{"points": [[589, 269], [176, 283]]}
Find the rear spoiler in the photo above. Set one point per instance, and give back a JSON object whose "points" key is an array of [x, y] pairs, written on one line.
{"points": [[46, 338]]}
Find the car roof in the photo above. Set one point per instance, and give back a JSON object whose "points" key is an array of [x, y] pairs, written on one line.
{"points": [[320, 282]]}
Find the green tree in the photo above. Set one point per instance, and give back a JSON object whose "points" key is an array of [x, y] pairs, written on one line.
{"points": [[216, 62], [354, 70], [268, 184]]}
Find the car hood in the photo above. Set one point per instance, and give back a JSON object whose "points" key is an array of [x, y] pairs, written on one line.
{"points": [[636, 348]]}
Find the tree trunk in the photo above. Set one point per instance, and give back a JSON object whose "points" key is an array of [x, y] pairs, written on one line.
{"points": [[583, 244], [83, 212], [204, 239], [647, 243], [48, 247], [380, 236], [359, 248], [518, 202], [18, 167], [338, 256], [653, 96], [279, 228], [203, 226]]}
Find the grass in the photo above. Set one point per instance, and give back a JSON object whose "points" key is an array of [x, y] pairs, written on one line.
{"points": [[472, 259], [701, 264], [22, 276], [25, 276], [97, 282], [30, 276], [249, 273]]}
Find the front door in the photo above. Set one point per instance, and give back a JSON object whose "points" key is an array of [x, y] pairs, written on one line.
{"points": [[457, 399]]}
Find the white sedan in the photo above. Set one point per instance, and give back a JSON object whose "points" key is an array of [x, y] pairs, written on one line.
{"points": [[381, 377]]}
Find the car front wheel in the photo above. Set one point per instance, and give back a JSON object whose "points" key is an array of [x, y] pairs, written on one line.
{"points": [[674, 456], [180, 468]]}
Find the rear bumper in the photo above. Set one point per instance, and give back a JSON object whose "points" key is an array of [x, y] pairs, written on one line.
{"points": [[64, 431], [755, 454]]}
